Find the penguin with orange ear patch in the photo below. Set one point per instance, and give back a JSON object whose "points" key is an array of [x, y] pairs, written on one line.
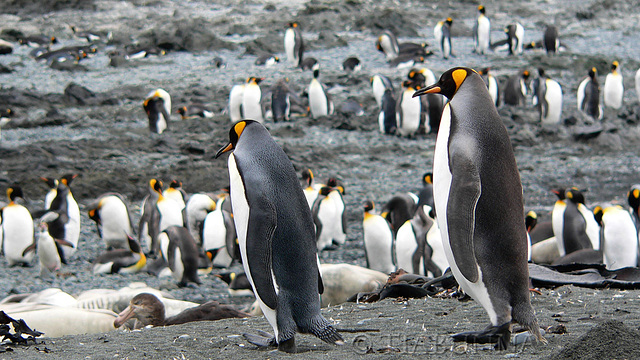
{"points": [[157, 105], [479, 206]]}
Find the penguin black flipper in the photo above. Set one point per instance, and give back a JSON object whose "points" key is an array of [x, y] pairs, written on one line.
{"points": [[259, 252], [230, 240], [464, 199]]}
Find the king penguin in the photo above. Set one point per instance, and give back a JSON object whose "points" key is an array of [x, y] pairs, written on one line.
{"points": [[409, 111], [113, 221], [319, 101], [252, 100], [157, 105], [613, 88], [515, 38], [72, 227], [48, 255], [479, 206], [17, 229], [277, 241], [515, 90], [569, 225], [482, 32], [550, 39], [592, 227], [589, 95], [547, 96], [442, 34], [619, 237], [378, 240], [124, 261], [196, 211], [380, 84], [180, 251], [52, 183], [388, 44], [293, 44], [218, 237]]}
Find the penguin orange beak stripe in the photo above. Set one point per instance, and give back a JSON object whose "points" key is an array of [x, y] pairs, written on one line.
{"points": [[427, 90], [227, 147]]}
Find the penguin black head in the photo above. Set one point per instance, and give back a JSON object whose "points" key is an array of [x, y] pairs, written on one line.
{"points": [[175, 184], [51, 182], [633, 198], [481, 9], [254, 80], [614, 66], [592, 72], [68, 178], [307, 176], [559, 192], [182, 111], [54, 40], [526, 74], [156, 185], [531, 220], [234, 135], [575, 195], [316, 71], [598, 212], [449, 21], [134, 245], [484, 71], [427, 178], [369, 205], [324, 191], [14, 192], [293, 24], [541, 72], [93, 215], [448, 84], [336, 184]]}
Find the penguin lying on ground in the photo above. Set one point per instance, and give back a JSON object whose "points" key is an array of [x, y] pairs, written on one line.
{"points": [[479, 206], [124, 261], [280, 261]]}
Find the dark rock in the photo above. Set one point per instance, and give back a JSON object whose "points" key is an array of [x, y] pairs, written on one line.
{"points": [[77, 94]]}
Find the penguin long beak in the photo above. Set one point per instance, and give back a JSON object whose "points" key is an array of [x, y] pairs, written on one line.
{"points": [[433, 89], [226, 148]]}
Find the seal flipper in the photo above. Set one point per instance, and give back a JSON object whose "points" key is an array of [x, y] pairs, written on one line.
{"points": [[461, 213], [499, 335], [260, 230]]}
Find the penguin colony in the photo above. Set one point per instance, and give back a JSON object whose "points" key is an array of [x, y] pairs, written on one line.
{"points": [[422, 233]]}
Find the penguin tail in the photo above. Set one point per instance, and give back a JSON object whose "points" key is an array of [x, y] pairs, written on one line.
{"points": [[524, 315], [323, 330]]}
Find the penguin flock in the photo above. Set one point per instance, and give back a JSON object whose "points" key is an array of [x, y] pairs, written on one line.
{"points": [[473, 193]]}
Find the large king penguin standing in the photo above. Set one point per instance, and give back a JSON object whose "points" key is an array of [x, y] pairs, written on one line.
{"points": [[276, 235], [479, 202]]}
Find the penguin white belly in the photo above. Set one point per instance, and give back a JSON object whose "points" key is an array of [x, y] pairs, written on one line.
{"points": [[493, 88], [580, 93], [241, 218], [339, 235], [592, 229], [381, 121], [557, 224], [378, 243], [434, 239], [48, 199], [441, 188], [17, 228], [311, 195], [378, 89], [553, 96], [446, 47], [251, 103], [176, 196], [437, 32], [161, 124], [620, 239], [638, 84], [484, 28], [406, 246], [214, 238], [72, 228], [328, 216], [411, 111], [178, 266], [289, 46], [115, 222], [613, 91], [388, 48], [235, 102], [47, 253], [104, 268], [520, 38], [170, 213], [318, 101]]}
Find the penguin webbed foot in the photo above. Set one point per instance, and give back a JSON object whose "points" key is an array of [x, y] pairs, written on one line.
{"points": [[499, 335], [263, 339]]}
